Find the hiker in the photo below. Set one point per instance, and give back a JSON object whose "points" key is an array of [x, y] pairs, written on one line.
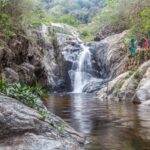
{"points": [[144, 44], [133, 47]]}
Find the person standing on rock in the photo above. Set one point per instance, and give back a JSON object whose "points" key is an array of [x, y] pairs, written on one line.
{"points": [[133, 47]]}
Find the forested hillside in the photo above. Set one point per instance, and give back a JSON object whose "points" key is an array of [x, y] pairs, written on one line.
{"points": [[82, 11], [104, 17], [118, 15], [101, 17]]}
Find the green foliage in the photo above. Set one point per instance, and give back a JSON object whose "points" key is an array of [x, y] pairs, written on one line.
{"points": [[37, 17], [30, 96], [145, 19], [138, 75], [111, 17], [128, 38], [2, 86], [68, 19], [104, 16], [3, 3], [86, 33], [6, 25], [118, 86], [82, 10], [60, 128], [119, 15], [111, 2], [39, 91], [43, 112], [23, 13], [129, 74]]}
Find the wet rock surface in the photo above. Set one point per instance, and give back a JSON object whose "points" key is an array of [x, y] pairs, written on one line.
{"points": [[131, 85], [48, 58], [94, 86], [110, 55], [10, 75], [143, 91], [109, 58], [35, 57], [19, 59], [24, 128]]}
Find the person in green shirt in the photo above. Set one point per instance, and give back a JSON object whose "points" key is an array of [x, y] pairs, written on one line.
{"points": [[133, 47]]}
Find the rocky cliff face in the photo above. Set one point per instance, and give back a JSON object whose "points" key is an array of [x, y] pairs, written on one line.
{"points": [[125, 78], [36, 57], [122, 76], [109, 58], [39, 56], [24, 128], [110, 55], [46, 58], [21, 60], [131, 85]]}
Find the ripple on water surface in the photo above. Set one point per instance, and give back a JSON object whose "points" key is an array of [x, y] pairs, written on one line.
{"points": [[108, 125]]}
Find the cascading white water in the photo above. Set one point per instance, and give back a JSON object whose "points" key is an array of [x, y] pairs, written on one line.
{"points": [[84, 66], [81, 71]]}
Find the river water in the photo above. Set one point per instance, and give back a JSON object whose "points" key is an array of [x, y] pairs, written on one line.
{"points": [[108, 125]]}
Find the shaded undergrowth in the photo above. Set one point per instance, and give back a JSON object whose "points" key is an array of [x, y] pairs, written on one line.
{"points": [[28, 95]]}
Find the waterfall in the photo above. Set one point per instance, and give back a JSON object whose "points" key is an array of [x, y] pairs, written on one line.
{"points": [[78, 55], [81, 71], [84, 67]]}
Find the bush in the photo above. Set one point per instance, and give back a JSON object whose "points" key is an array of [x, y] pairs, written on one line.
{"points": [[86, 34], [30, 96], [82, 10], [6, 25], [68, 19], [24, 13], [119, 15], [145, 19]]}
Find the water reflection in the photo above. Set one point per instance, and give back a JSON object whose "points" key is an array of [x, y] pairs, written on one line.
{"points": [[109, 125], [81, 117], [144, 116]]}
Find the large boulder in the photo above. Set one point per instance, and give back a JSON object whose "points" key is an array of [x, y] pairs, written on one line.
{"points": [[36, 57], [19, 58], [111, 55], [111, 88], [10, 75], [94, 85], [19, 45], [6, 55], [26, 73], [25, 129], [143, 91], [131, 85]]}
